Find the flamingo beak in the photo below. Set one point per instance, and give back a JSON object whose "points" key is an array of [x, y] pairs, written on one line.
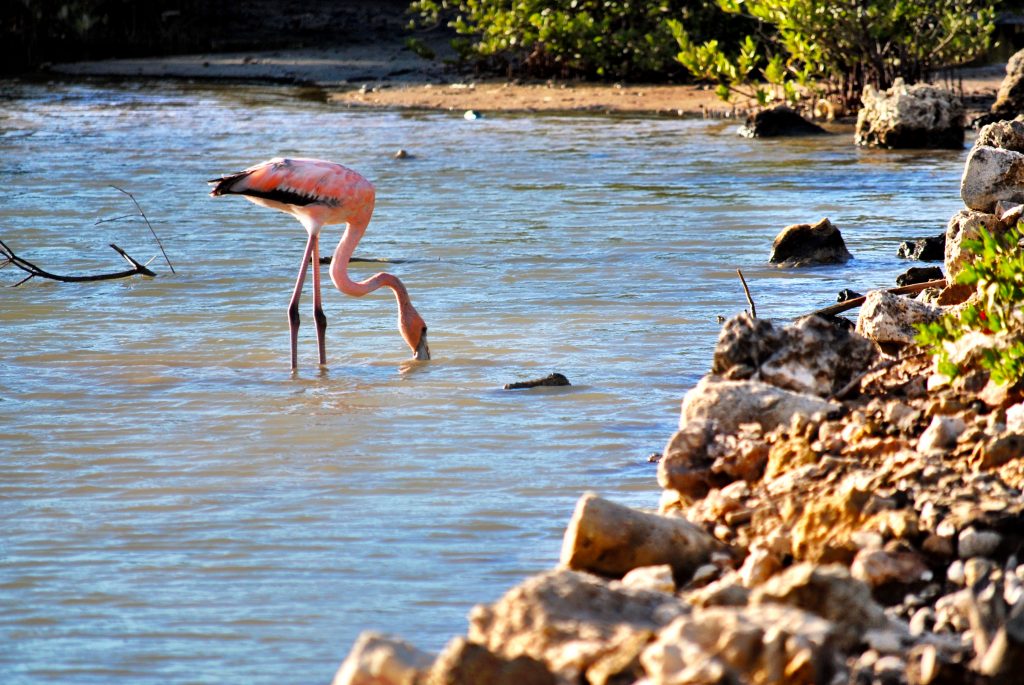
{"points": [[422, 351]]}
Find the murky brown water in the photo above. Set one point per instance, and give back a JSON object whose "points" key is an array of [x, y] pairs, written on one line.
{"points": [[176, 507]]}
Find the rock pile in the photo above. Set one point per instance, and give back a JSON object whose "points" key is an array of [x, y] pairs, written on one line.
{"points": [[832, 511]]}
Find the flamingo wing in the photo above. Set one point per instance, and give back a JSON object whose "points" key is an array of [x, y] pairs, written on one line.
{"points": [[296, 182]]}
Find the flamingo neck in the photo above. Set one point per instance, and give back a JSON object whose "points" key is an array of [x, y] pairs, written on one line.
{"points": [[339, 272]]}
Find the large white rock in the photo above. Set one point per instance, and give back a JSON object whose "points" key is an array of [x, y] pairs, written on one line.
{"points": [[817, 357], [812, 355], [731, 403], [376, 659], [992, 174], [917, 116], [611, 539], [888, 318]]}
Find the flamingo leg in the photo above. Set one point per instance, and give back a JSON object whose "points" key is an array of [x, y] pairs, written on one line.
{"points": [[318, 308], [293, 304]]}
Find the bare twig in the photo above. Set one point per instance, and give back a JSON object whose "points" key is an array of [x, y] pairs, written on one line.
{"points": [[146, 219], [746, 290], [858, 301], [32, 270]]}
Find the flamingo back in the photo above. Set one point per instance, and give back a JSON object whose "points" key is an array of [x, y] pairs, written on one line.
{"points": [[336, 194]]}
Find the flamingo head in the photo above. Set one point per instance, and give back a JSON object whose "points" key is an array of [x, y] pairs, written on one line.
{"points": [[414, 330]]}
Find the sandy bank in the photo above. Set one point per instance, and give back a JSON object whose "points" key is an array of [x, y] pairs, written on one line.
{"points": [[389, 75]]}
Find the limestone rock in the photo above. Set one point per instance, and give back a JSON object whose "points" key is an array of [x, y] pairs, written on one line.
{"points": [[878, 567], [655, 578], [465, 663], [888, 318], [744, 343], [992, 175], [941, 434], [917, 116], [972, 542], [758, 644], [811, 355], [571, 621], [376, 659], [827, 591], [817, 357], [685, 464], [611, 540], [1008, 135], [924, 249], [1010, 98], [760, 565], [732, 403], [806, 244], [778, 121], [967, 225]]}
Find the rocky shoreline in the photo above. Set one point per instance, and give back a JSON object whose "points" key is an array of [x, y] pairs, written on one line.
{"points": [[833, 510]]}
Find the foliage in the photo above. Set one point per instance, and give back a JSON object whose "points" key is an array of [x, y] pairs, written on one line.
{"points": [[564, 38], [804, 47], [998, 273]]}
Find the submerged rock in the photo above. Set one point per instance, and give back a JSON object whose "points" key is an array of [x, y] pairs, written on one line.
{"points": [[917, 116], [551, 380], [846, 294], [779, 121], [919, 274], [806, 244], [924, 249]]}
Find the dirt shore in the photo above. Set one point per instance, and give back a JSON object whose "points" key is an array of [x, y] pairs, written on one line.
{"points": [[386, 74]]}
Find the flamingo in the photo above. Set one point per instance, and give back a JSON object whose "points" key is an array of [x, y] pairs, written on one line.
{"points": [[320, 193]]}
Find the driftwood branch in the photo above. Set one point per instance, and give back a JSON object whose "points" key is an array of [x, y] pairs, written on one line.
{"points": [[11, 259], [746, 291], [858, 301], [146, 219]]}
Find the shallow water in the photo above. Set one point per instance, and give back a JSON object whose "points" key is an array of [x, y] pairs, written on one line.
{"points": [[177, 507]]}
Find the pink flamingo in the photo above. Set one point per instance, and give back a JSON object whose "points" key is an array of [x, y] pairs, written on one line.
{"points": [[320, 193]]}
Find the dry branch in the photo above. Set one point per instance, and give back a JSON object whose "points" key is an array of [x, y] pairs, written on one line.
{"points": [[144, 218], [858, 301], [11, 259], [746, 291]]}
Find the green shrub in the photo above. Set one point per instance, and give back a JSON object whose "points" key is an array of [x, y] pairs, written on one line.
{"points": [[997, 272], [806, 47], [606, 39]]}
